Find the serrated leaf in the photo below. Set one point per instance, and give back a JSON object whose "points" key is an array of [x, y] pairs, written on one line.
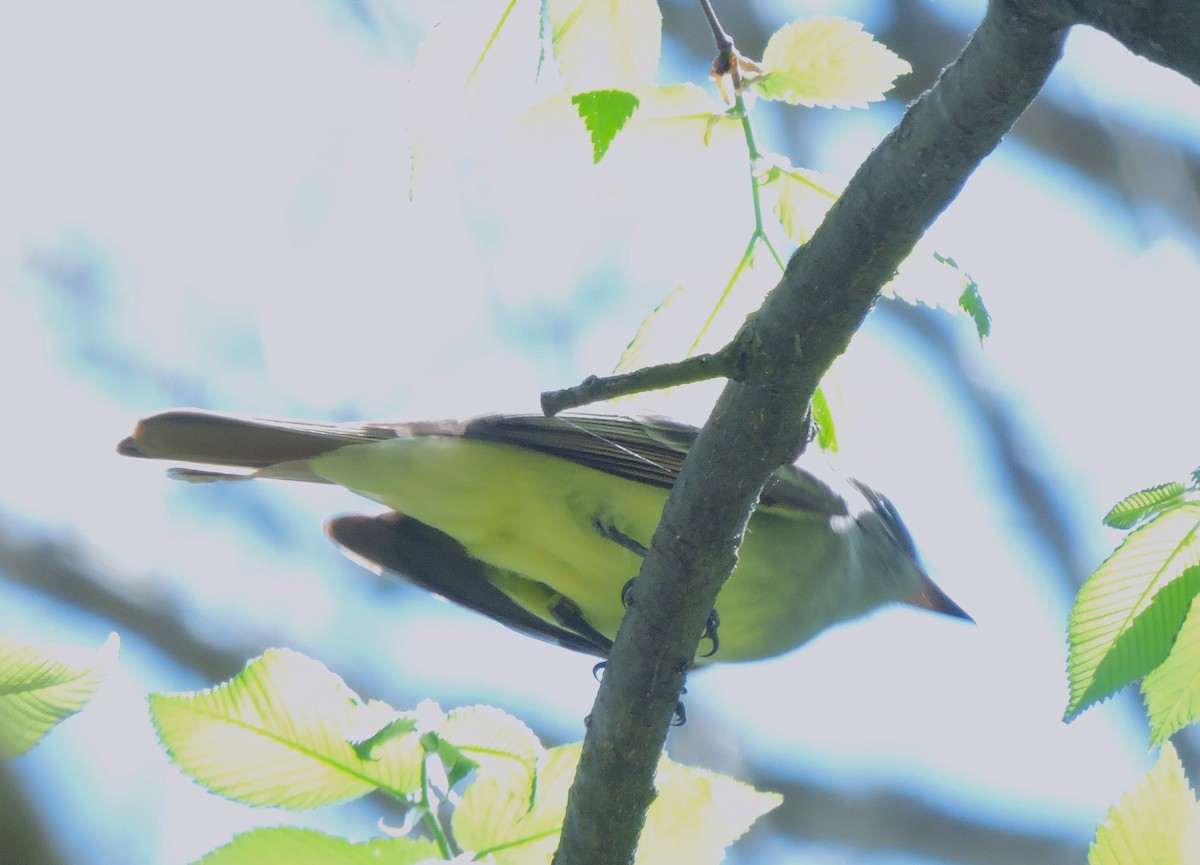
{"points": [[697, 814], [605, 113], [280, 733], [970, 299], [602, 44], [1156, 824], [286, 845], [503, 820], [495, 742], [799, 197], [648, 335], [40, 686], [828, 62], [1134, 508], [1172, 690], [693, 321], [1129, 611]]}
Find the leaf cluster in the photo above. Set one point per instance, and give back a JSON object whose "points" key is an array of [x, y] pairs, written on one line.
{"points": [[1136, 619], [288, 733]]}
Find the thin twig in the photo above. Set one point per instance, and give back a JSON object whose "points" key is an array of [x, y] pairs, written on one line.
{"points": [[725, 363], [724, 40]]}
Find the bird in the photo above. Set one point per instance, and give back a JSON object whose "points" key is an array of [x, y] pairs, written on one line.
{"points": [[541, 523]]}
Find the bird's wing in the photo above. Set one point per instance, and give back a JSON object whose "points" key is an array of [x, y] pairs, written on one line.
{"points": [[406, 548], [643, 450]]}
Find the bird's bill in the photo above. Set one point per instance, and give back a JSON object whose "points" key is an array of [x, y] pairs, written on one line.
{"points": [[928, 596]]}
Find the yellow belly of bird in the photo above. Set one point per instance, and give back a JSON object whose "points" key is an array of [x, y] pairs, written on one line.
{"points": [[536, 516]]}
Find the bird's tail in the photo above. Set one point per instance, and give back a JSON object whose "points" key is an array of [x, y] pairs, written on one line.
{"points": [[247, 446]]}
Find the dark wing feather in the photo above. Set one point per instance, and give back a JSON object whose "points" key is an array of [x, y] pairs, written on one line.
{"points": [[643, 450], [395, 544]]}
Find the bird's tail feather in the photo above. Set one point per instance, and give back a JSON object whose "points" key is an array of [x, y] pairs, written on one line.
{"points": [[258, 446]]}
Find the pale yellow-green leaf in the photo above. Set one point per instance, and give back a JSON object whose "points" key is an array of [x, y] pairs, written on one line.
{"points": [[497, 819], [697, 814], [696, 319], [683, 133], [474, 75], [678, 130], [43, 685], [828, 62], [755, 275], [279, 734], [799, 197], [501, 745], [1172, 690], [647, 343], [1128, 612], [605, 44], [680, 116], [287, 845], [1156, 824]]}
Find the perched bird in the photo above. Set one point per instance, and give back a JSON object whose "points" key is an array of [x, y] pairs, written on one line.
{"points": [[540, 523]]}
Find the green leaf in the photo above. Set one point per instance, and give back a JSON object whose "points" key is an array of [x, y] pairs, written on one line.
{"points": [[823, 418], [40, 686], [280, 734], [1134, 508], [602, 44], [1172, 690], [970, 301], [401, 725], [828, 62], [1156, 824], [1129, 611], [604, 112], [286, 845]]}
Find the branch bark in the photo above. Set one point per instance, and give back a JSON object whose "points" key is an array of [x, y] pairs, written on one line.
{"points": [[761, 422], [1165, 31]]}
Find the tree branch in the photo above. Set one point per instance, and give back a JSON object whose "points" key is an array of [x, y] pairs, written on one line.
{"points": [[1164, 31], [722, 364], [760, 423]]}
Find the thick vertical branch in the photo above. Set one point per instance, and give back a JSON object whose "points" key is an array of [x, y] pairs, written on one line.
{"points": [[759, 424]]}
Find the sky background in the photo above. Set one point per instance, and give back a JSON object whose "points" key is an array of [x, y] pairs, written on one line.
{"points": [[209, 205]]}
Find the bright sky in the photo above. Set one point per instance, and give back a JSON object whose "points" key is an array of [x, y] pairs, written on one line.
{"points": [[209, 204]]}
